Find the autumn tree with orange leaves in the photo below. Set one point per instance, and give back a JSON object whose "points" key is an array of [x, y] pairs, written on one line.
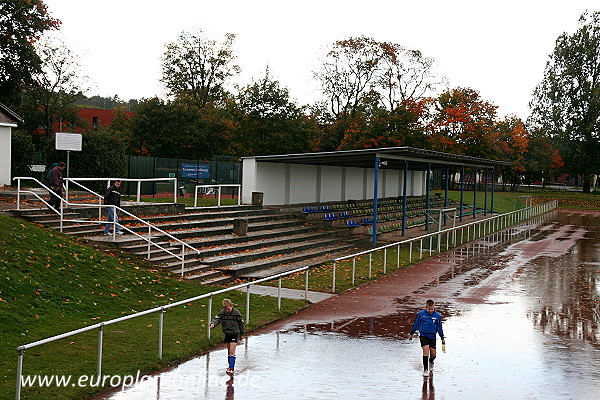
{"points": [[513, 143], [462, 123]]}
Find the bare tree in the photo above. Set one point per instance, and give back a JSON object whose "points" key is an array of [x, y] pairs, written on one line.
{"points": [[359, 69], [198, 67], [56, 86], [406, 75]]}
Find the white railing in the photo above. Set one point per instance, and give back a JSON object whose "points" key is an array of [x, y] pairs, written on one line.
{"points": [[218, 188], [489, 225], [109, 180], [161, 310], [151, 228]]}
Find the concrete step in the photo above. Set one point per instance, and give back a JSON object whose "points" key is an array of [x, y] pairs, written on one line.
{"points": [[311, 262], [208, 215], [266, 252], [239, 247], [186, 223], [244, 268], [219, 280]]}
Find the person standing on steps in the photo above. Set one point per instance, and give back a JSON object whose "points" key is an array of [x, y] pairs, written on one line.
{"points": [[112, 197], [56, 185], [429, 323], [233, 328]]}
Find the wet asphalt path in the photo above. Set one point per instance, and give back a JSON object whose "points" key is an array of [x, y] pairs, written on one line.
{"points": [[521, 320]]}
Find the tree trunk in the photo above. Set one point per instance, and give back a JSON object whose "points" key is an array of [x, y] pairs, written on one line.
{"points": [[587, 183]]}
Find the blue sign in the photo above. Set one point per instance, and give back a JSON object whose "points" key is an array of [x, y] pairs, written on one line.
{"points": [[195, 170]]}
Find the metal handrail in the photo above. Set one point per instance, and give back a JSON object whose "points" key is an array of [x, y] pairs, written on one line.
{"points": [[100, 326], [239, 187], [150, 226], [501, 219]]}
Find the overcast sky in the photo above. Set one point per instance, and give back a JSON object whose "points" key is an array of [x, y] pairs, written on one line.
{"points": [[498, 48]]}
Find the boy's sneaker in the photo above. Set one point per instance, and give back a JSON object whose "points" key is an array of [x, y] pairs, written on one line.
{"points": [[107, 234], [431, 366], [426, 373], [229, 371], [119, 233]]}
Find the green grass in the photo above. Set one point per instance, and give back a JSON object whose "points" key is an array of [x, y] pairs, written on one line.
{"points": [[366, 268], [51, 284]]}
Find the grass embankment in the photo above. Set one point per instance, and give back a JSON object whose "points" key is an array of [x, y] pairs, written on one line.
{"points": [[51, 284]]}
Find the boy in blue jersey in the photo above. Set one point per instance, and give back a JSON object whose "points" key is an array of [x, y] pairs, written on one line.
{"points": [[429, 323]]}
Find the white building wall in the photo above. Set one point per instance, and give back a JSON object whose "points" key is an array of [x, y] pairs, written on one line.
{"points": [[295, 183], [5, 146], [392, 183], [248, 179], [304, 185], [331, 184], [354, 183]]}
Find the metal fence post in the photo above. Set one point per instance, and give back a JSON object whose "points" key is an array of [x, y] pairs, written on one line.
{"points": [[398, 257], [19, 373], [410, 251], [182, 258], [161, 316], [279, 294], [353, 269], [333, 277], [18, 194], [385, 260], [99, 365], [209, 315], [248, 304], [306, 285], [370, 263], [149, 240]]}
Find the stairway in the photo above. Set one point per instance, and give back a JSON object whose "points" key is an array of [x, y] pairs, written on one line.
{"points": [[276, 241]]}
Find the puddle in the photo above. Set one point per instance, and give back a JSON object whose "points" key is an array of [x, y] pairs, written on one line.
{"points": [[521, 318]]}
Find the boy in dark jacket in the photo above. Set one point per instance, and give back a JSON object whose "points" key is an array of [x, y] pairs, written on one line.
{"points": [[112, 197], [429, 323], [233, 328], [56, 185]]}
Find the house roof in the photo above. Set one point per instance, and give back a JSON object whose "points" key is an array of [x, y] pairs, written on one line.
{"points": [[8, 115], [394, 156]]}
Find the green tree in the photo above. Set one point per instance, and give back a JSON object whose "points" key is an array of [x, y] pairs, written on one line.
{"points": [[21, 24], [102, 155], [179, 128], [542, 159], [566, 103], [271, 123], [21, 153], [197, 67], [55, 88]]}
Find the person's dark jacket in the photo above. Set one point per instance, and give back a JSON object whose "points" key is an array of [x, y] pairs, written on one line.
{"points": [[232, 322], [56, 179], [112, 197], [49, 174]]}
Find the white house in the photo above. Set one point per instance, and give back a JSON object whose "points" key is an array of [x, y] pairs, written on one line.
{"points": [[8, 120]]}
